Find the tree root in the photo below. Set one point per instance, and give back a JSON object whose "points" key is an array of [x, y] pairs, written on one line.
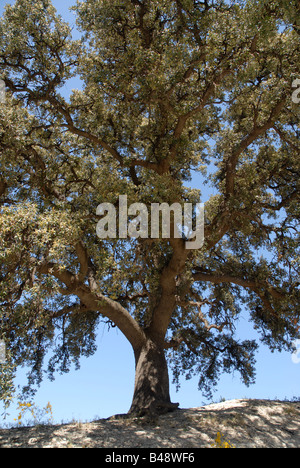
{"points": [[156, 408]]}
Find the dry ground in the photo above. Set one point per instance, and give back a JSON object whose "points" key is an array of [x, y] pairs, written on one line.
{"points": [[246, 423]]}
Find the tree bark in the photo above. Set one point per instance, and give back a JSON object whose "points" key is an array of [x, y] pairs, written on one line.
{"points": [[151, 390]]}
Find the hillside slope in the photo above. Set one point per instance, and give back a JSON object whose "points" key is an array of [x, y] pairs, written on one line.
{"points": [[246, 423]]}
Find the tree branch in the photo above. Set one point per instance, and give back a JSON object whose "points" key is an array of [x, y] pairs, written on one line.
{"points": [[256, 132], [92, 299], [3, 187], [83, 258], [162, 313], [183, 119], [216, 278], [221, 224]]}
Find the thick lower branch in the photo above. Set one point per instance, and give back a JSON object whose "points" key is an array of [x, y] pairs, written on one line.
{"points": [[116, 313], [92, 299]]}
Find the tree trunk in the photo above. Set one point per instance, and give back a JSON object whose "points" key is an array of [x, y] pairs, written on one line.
{"points": [[151, 390]]}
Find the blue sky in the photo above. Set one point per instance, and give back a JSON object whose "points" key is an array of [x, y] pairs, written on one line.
{"points": [[104, 384]]}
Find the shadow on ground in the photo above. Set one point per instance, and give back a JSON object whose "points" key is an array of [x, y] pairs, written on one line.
{"points": [[245, 423]]}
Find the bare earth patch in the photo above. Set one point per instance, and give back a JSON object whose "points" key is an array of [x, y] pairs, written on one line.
{"points": [[246, 423]]}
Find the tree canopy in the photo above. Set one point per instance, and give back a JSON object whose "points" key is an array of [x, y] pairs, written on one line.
{"points": [[168, 88]]}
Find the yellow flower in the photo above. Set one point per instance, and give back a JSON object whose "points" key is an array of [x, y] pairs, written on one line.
{"points": [[221, 444]]}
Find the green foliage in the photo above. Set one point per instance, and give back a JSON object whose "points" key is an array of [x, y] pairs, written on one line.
{"points": [[169, 87], [7, 388]]}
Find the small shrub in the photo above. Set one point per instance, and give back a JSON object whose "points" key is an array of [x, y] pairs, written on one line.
{"points": [[40, 416]]}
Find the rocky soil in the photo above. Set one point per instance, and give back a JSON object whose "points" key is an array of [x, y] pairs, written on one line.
{"points": [[245, 423]]}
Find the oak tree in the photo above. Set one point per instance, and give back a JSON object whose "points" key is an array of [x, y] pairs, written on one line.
{"points": [[168, 87]]}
